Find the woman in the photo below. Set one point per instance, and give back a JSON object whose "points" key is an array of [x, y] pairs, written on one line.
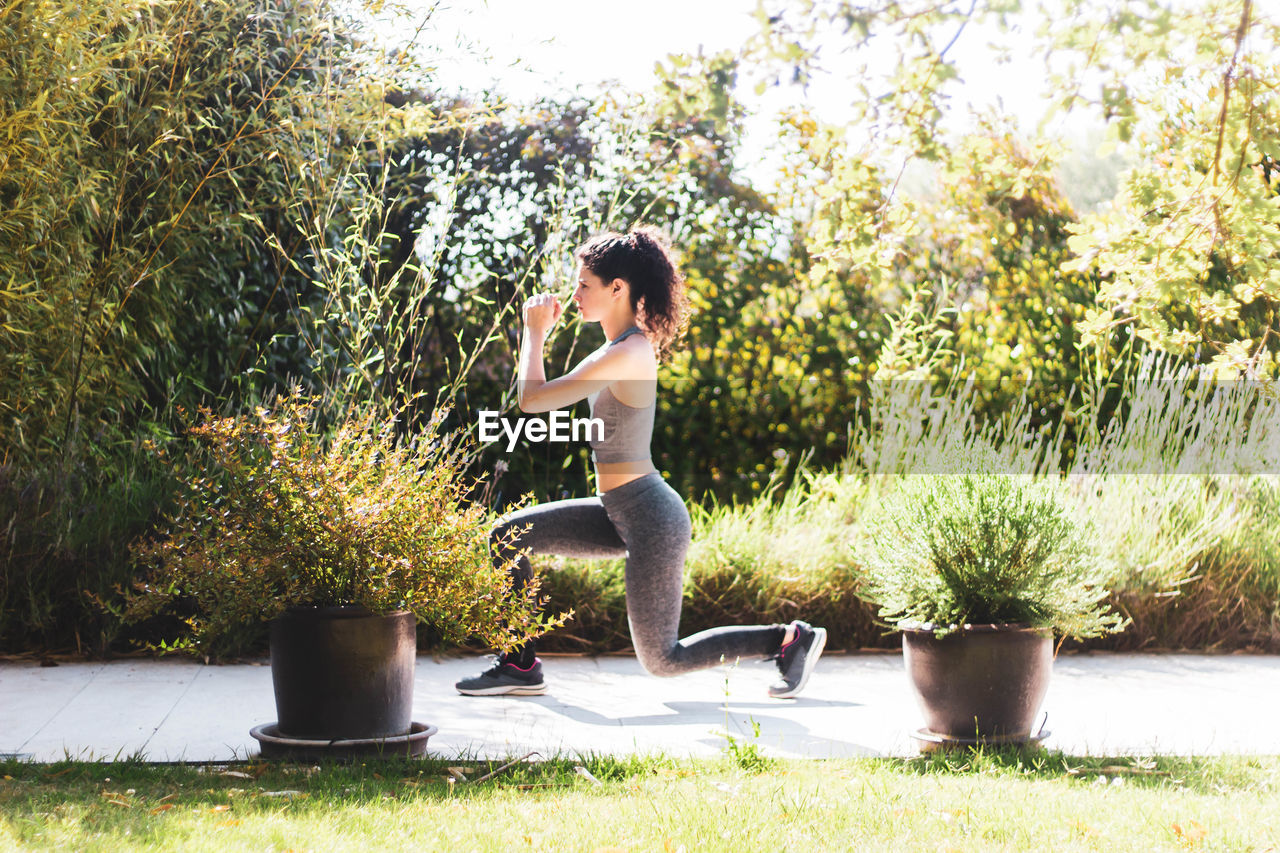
{"points": [[629, 285]]}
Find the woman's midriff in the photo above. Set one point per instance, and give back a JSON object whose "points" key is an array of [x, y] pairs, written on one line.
{"points": [[611, 475]]}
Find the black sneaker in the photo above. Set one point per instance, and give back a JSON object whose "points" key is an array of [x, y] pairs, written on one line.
{"points": [[796, 660], [505, 678]]}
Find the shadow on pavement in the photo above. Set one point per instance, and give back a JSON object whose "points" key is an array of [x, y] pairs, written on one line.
{"points": [[778, 734]]}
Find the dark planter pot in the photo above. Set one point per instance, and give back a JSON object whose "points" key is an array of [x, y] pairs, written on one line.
{"points": [[981, 682], [343, 672]]}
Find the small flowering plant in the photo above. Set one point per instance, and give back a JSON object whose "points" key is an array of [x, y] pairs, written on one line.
{"points": [[280, 516]]}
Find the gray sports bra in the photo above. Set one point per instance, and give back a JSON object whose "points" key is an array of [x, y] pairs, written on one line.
{"points": [[627, 430]]}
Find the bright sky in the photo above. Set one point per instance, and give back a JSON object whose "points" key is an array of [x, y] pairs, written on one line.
{"points": [[536, 47], [525, 48]]}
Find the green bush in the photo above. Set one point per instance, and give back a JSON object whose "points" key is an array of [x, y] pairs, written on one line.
{"points": [[983, 547], [151, 158], [62, 547], [161, 168], [278, 516]]}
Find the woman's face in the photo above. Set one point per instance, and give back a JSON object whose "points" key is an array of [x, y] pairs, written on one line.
{"points": [[592, 295]]}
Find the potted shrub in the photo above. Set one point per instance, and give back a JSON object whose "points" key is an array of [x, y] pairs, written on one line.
{"points": [[979, 570], [344, 543]]}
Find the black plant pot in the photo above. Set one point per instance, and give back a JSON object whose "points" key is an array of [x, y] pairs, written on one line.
{"points": [[343, 673], [980, 683]]}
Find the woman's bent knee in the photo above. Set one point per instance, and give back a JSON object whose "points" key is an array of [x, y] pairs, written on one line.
{"points": [[659, 663]]}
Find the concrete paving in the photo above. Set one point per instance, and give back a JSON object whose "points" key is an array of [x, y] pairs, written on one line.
{"points": [[854, 705]]}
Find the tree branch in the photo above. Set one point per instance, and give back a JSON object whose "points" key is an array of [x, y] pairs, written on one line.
{"points": [[1227, 76]]}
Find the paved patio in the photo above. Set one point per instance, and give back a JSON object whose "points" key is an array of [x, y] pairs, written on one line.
{"points": [[854, 705]]}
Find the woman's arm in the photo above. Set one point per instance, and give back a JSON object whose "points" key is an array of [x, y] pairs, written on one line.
{"points": [[536, 393], [530, 372]]}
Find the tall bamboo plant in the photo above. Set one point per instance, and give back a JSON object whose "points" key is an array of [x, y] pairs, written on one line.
{"points": [[134, 136], [185, 187]]}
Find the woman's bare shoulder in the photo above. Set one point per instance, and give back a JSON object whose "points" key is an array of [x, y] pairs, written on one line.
{"points": [[637, 343], [636, 385], [640, 353]]}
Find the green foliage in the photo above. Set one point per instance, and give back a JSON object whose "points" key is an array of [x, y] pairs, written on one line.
{"points": [[209, 201], [1181, 488], [746, 753], [63, 533], [986, 248], [771, 373], [150, 156], [474, 207], [1183, 259], [985, 547], [277, 517], [187, 211], [1189, 246], [998, 232], [146, 155]]}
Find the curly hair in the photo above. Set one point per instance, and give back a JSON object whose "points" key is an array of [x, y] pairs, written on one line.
{"points": [[644, 259]]}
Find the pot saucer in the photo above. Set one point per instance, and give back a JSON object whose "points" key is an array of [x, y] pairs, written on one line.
{"points": [[933, 742], [276, 745]]}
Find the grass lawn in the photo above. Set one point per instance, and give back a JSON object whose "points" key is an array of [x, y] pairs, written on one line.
{"points": [[974, 801]]}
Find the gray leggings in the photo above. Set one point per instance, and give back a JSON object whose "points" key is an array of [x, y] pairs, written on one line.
{"points": [[645, 521]]}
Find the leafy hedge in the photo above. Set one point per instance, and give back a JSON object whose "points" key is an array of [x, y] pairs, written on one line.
{"points": [[1197, 564], [150, 156]]}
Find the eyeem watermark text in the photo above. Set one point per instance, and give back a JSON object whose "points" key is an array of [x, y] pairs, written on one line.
{"points": [[560, 427]]}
